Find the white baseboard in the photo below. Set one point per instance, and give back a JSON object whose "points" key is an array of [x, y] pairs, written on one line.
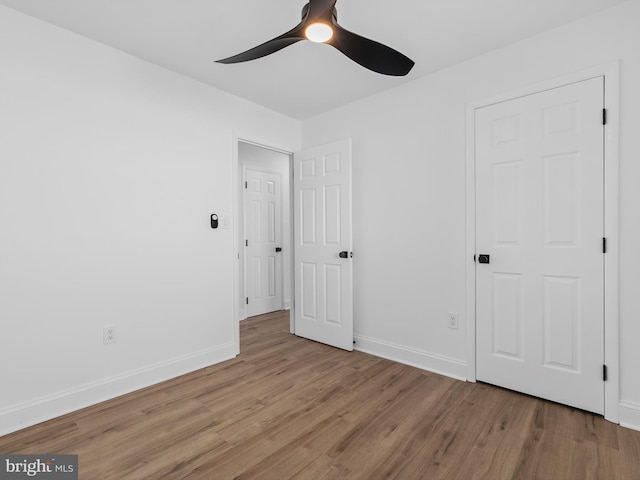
{"points": [[287, 304], [416, 358], [630, 415], [35, 411]]}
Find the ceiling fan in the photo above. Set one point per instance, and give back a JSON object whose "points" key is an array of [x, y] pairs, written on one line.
{"points": [[320, 24]]}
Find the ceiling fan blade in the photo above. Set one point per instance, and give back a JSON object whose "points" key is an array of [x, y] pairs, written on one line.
{"points": [[319, 8], [370, 54], [267, 48]]}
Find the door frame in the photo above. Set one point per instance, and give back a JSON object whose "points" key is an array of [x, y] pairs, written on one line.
{"points": [[238, 228], [611, 75]]}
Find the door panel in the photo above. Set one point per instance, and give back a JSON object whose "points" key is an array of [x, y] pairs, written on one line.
{"points": [[539, 215], [561, 316], [263, 231], [322, 224], [507, 315]]}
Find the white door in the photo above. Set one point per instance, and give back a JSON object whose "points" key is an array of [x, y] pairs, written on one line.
{"points": [[263, 230], [539, 204], [322, 238]]}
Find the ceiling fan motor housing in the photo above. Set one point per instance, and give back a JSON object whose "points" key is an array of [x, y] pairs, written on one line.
{"points": [[305, 10]]}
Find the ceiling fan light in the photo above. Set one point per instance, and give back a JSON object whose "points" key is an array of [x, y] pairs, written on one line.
{"points": [[319, 32]]}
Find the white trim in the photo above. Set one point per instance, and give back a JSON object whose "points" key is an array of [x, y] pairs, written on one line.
{"points": [[630, 415], [612, 233], [413, 357], [292, 320], [611, 228], [262, 145], [38, 410], [242, 229], [292, 269], [470, 252], [235, 166]]}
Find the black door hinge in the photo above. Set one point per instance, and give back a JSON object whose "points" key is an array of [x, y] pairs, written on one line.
{"points": [[246, 184], [604, 245], [604, 116], [246, 243], [247, 300], [604, 373]]}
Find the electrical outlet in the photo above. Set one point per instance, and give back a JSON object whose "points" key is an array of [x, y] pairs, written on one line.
{"points": [[452, 320], [109, 334]]}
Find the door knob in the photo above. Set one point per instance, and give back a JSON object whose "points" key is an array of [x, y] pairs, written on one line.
{"points": [[483, 258], [345, 254], [278, 249]]}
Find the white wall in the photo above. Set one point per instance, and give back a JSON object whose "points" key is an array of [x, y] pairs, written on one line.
{"points": [[409, 191], [253, 156], [109, 170]]}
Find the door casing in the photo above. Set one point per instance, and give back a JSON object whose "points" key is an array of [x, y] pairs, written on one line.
{"points": [[611, 187]]}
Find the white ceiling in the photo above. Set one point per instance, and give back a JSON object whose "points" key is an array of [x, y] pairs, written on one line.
{"points": [[304, 79]]}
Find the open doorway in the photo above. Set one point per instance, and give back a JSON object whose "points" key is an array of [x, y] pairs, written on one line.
{"points": [[265, 245]]}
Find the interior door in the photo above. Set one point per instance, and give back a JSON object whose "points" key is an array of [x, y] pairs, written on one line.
{"points": [[539, 204], [263, 215], [322, 256]]}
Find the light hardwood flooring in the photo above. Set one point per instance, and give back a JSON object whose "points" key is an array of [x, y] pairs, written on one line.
{"points": [[289, 408]]}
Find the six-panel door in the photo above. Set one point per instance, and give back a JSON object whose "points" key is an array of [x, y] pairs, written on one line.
{"points": [[322, 226], [263, 217], [539, 204]]}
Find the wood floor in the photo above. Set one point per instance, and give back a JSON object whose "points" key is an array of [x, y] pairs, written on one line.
{"points": [[288, 408]]}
